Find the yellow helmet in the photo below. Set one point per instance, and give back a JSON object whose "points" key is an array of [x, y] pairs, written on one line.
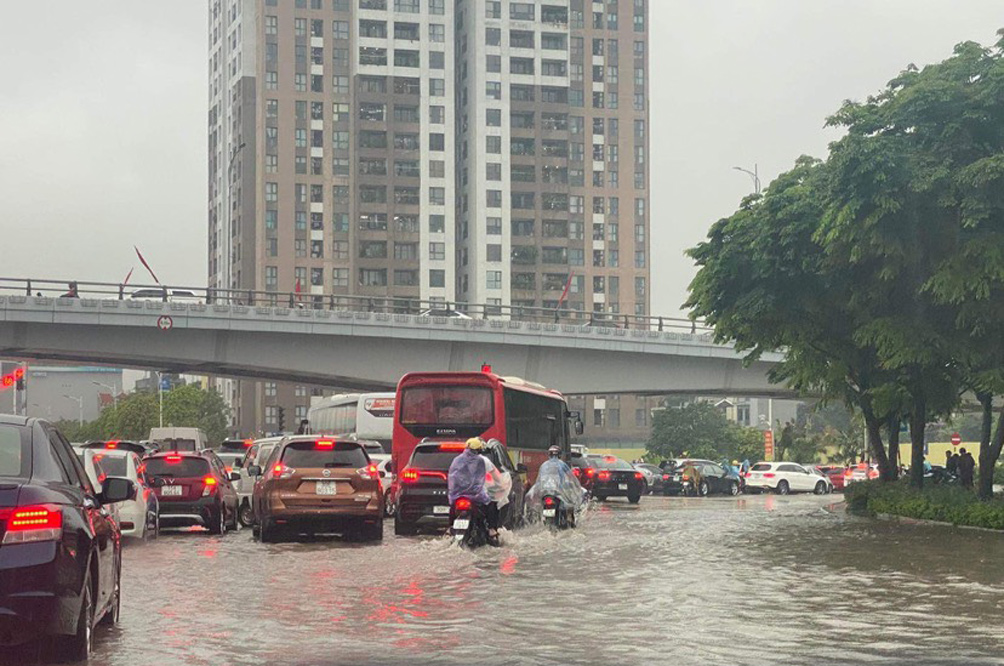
{"points": [[475, 443]]}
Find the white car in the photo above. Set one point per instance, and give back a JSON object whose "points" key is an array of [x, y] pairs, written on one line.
{"points": [[173, 295], [787, 477], [387, 478], [138, 518], [91, 460], [257, 454]]}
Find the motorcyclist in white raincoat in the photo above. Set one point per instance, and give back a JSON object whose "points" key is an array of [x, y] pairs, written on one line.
{"points": [[555, 478]]}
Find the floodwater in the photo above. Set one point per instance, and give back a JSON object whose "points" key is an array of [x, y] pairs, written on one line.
{"points": [[738, 581]]}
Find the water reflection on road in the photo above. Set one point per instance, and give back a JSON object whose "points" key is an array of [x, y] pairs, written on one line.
{"points": [[739, 581]]}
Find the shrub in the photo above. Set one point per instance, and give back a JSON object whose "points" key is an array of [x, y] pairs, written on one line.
{"points": [[948, 504]]}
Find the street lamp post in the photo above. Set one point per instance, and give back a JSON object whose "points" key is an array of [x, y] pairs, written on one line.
{"points": [[80, 407], [160, 396], [113, 389], [754, 174]]}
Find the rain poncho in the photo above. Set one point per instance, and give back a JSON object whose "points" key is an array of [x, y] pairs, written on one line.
{"points": [[555, 478], [498, 484], [467, 478]]}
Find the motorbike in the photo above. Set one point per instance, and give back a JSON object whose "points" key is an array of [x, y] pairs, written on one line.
{"points": [[468, 524], [556, 515]]}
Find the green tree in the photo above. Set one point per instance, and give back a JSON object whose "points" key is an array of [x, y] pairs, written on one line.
{"points": [[701, 430]]}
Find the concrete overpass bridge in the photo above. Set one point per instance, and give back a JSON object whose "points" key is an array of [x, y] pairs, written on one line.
{"points": [[364, 350]]}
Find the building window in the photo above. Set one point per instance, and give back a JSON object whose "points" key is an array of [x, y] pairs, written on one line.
{"points": [[406, 278], [437, 196], [437, 224], [493, 226], [437, 278], [373, 277], [437, 251], [493, 252], [406, 251], [437, 33], [598, 418], [340, 29], [408, 6], [271, 192], [493, 279], [271, 278], [340, 250], [271, 389]]}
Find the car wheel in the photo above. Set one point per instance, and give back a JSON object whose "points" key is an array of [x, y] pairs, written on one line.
{"points": [[703, 489], [634, 499], [402, 528], [78, 646], [217, 521], [111, 617], [371, 531], [782, 488], [733, 489], [820, 488], [246, 515]]}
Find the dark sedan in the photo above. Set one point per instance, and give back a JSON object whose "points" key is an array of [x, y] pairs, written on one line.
{"points": [[712, 478], [60, 550], [616, 478]]}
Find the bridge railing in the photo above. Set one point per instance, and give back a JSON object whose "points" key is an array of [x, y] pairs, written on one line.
{"points": [[48, 288]]}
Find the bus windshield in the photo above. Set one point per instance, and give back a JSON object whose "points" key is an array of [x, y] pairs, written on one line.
{"points": [[447, 405]]}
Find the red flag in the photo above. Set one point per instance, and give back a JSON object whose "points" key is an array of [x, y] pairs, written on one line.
{"points": [[146, 265], [126, 281], [297, 285], [564, 294]]}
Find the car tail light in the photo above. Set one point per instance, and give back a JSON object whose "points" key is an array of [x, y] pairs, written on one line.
{"points": [[548, 501], [604, 476], [665, 477], [248, 443], [748, 475], [369, 472], [34, 523], [324, 444], [610, 459], [577, 472], [281, 471], [639, 476], [873, 474], [462, 504], [686, 477], [409, 476], [590, 472], [209, 485], [768, 475], [848, 472]]}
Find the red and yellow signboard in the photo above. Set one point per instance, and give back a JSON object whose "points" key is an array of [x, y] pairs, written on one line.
{"points": [[768, 445]]}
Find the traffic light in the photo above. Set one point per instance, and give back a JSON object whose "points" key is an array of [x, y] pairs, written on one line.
{"points": [[281, 412], [15, 378]]}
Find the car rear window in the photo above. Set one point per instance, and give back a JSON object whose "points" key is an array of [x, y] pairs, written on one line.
{"points": [[181, 467], [432, 459], [14, 445], [179, 444], [761, 467], [113, 465], [340, 454], [610, 462]]}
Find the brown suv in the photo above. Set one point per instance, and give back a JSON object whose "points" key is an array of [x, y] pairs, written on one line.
{"points": [[317, 484]]}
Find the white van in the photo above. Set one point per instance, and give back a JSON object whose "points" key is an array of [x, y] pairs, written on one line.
{"points": [[179, 439]]}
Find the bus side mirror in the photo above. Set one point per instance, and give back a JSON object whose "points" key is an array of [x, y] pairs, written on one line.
{"points": [[579, 429]]}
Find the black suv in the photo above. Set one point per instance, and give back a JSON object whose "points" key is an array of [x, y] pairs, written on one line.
{"points": [[60, 551], [422, 500]]}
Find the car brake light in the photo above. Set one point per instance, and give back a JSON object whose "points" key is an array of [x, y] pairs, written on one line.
{"points": [[610, 459], [462, 504], [458, 446], [604, 476], [848, 472], [590, 472], [748, 475], [248, 443], [209, 485], [369, 472], [409, 476], [324, 444], [665, 477], [548, 501], [172, 460], [686, 477], [768, 475], [34, 523], [577, 472], [113, 444], [639, 475]]}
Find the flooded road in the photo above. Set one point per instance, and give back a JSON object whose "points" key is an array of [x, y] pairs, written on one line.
{"points": [[740, 581]]}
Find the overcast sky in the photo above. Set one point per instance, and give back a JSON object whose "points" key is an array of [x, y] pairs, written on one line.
{"points": [[103, 109]]}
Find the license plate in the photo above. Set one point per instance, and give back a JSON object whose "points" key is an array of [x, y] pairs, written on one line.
{"points": [[622, 486], [549, 513], [440, 510], [461, 524], [327, 488], [172, 491], [676, 478]]}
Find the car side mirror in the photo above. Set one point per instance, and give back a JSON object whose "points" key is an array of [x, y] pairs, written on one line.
{"points": [[389, 467], [254, 470], [117, 489], [235, 476]]}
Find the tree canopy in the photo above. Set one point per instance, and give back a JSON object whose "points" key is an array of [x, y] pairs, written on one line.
{"points": [[880, 270]]}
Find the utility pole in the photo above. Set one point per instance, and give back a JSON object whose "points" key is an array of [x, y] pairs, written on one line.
{"points": [[80, 407]]}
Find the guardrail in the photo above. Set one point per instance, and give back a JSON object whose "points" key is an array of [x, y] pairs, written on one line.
{"points": [[342, 302]]}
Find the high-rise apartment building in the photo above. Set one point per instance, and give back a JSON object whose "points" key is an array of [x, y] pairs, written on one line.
{"points": [[481, 151]]}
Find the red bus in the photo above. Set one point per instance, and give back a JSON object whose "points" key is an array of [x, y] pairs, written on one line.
{"points": [[454, 406]]}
